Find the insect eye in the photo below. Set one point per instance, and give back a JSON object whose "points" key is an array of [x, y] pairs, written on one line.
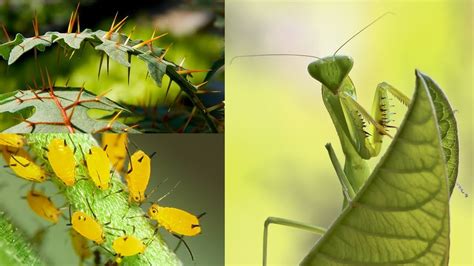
{"points": [[136, 198], [154, 211]]}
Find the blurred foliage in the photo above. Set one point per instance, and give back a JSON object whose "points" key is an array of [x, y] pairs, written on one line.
{"points": [[200, 49]]}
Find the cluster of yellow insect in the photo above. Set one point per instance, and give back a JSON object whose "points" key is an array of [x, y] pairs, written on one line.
{"points": [[98, 161]]}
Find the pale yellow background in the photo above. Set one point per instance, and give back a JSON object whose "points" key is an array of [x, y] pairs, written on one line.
{"points": [[276, 164]]}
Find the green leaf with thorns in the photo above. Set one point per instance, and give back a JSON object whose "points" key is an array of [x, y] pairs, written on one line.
{"points": [[6, 48], [72, 40], [37, 42], [69, 110], [119, 48]]}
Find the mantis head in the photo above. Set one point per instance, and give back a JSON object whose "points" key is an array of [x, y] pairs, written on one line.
{"points": [[331, 70]]}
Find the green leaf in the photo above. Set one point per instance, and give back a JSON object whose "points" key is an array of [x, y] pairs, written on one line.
{"points": [[47, 111], [156, 67], [7, 47], [449, 131], [115, 50], [73, 40], [401, 214], [27, 44], [14, 250]]}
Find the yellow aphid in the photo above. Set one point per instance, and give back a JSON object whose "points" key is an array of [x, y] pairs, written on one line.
{"points": [[80, 245], [175, 220], [98, 166], [116, 151], [11, 140], [61, 158], [26, 169], [88, 227], [138, 175], [43, 206], [125, 246]]}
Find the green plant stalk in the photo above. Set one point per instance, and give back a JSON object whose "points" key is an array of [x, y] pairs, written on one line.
{"points": [[14, 250], [114, 208]]}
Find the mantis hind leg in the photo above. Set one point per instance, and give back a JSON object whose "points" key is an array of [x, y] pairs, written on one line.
{"points": [[289, 223]]}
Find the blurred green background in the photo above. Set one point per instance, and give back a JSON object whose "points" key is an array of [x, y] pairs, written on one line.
{"points": [[197, 160], [276, 164], [195, 30]]}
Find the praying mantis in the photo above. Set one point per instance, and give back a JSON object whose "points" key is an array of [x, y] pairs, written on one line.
{"points": [[360, 133]]}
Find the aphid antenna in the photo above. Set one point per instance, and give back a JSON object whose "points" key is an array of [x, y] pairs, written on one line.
{"points": [[156, 188], [169, 192]]}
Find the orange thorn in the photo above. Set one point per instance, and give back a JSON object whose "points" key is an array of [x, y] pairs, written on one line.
{"points": [[36, 25], [130, 35], [166, 51], [69, 25], [148, 41], [189, 71], [182, 62], [50, 84], [102, 94], [72, 19], [215, 107], [201, 84], [113, 22], [78, 30], [5, 32], [115, 27], [130, 127], [193, 112], [42, 78], [109, 125]]}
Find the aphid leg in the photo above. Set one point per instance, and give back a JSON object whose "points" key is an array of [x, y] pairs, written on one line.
{"points": [[130, 160], [346, 185], [90, 208], [201, 215], [83, 156], [113, 193], [70, 217], [73, 144], [185, 244], [289, 223]]}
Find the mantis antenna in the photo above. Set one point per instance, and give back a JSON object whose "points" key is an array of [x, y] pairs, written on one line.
{"points": [[262, 55], [364, 28]]}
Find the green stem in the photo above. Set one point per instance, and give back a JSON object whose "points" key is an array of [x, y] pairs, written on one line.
{"points": [[114, 208]]}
